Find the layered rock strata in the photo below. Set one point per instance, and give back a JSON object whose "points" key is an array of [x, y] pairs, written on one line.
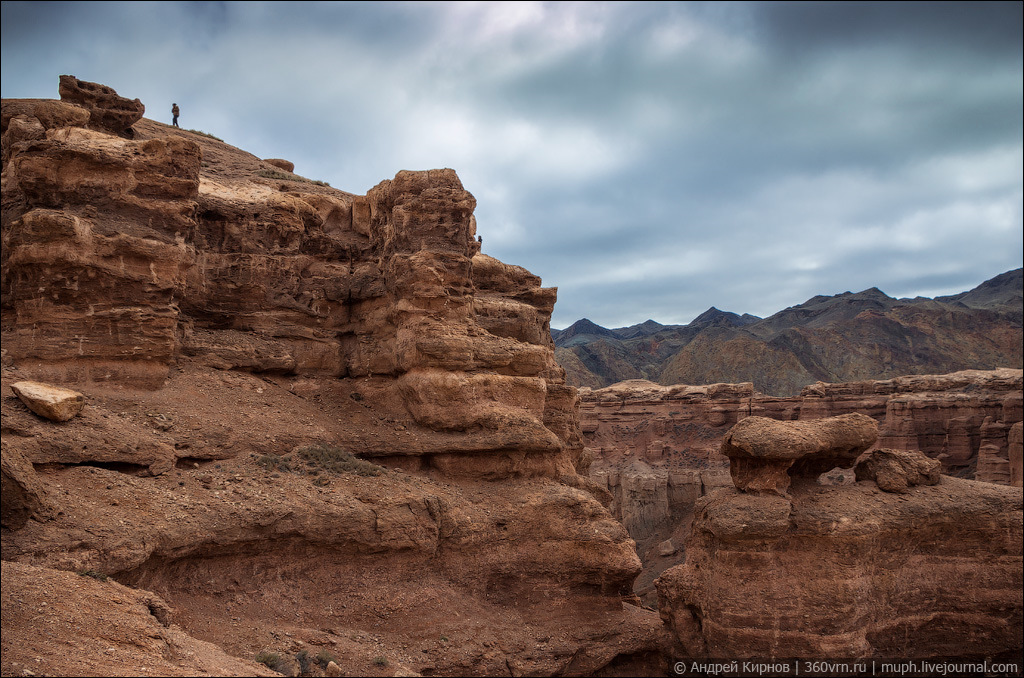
{"points": [[236, 337], [851, 571]]}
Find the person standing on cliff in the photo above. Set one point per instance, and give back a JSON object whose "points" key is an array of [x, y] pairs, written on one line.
{"points": [[174, 113]]}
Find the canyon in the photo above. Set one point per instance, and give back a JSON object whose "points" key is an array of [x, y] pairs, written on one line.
{"points": [[656, 449], [253, 424]]}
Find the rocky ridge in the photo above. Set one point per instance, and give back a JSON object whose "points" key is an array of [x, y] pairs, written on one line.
{"points": [[237, 331], [847, 337]]}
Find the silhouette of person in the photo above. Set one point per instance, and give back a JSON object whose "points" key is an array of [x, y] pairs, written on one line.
{"points": [[174, 112]]}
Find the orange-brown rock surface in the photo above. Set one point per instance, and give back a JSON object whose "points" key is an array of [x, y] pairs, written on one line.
{"points": [[851, 571], [236, 337], [657, 448], [107, 111], [962, 419]]}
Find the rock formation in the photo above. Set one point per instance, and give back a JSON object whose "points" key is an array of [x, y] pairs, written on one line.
{"points": [[898, 470], [764, 454], [963, 419], [237, 337], [126, 247], [281, 163], [108, 112], [1016, 455], [851, 571]]}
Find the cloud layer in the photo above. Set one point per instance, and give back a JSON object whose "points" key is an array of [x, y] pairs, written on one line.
{"points": [[649, 159]]}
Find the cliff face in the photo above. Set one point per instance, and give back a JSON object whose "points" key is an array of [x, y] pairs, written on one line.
{"points": [[121, 255], [846, 571], [237, 332]]}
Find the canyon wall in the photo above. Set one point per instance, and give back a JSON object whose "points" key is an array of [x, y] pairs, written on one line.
{"points": [[239, 333], [656, 448], [963, 419], [122, 254]]}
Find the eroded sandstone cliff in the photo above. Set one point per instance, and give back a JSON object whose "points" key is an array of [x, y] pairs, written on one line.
{"points": [[238, 331]]}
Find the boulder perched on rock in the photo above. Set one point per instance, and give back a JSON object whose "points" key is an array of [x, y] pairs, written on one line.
{"points": [[108, 111], [286, 165], [897, 470], [764, 453], [51, 402]]}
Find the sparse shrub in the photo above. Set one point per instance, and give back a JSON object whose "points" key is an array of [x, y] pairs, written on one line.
{"points": [[302, 657], [313, 460], [98, 576], [272, 661], [381, 661], [277, 174], [336, 460], [273, 462], [287, 176], [323, 658], [205, 134]]}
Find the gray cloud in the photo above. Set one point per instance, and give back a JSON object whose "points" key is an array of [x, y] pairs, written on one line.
{"points": [[649, 159]]}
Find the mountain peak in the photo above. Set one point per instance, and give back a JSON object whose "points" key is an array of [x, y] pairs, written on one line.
{"points": [[582, 329], [714, 316]]}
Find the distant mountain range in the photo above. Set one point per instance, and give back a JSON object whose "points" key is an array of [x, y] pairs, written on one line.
{"points": [[846, 337]]}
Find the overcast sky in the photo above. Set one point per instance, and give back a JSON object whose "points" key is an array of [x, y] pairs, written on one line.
{"points": [[649, 159]]}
